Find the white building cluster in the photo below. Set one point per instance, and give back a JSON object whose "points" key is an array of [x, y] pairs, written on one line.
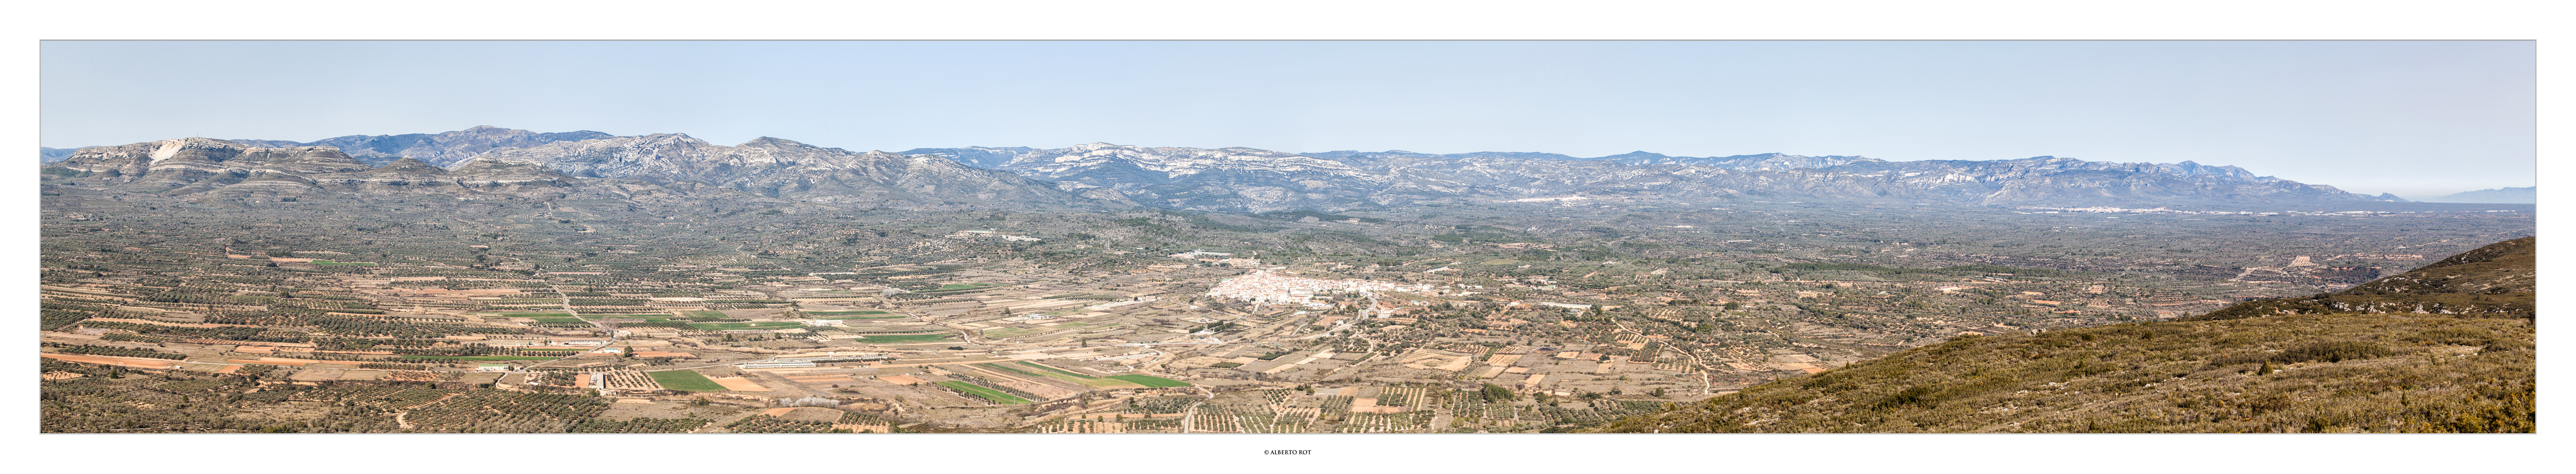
{"points": [[1264, 287]]}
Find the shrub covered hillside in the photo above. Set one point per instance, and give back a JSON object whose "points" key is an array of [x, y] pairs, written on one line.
{"points": [[2498, 279], [2362, 360]]}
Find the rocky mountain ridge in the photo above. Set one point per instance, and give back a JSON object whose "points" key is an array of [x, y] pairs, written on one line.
{"points": [[1246, 179], [222, 169], [1236, 178], [439, 149], [661, 170], [781, 168]]}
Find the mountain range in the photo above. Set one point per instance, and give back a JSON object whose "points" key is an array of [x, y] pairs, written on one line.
{"points": [[487, 159], [2521, 195]]}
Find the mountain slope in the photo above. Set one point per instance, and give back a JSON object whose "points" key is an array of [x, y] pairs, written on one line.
{"points": [[439, 149], [781, 168], [981, 157], [1245, 179], [2495, 279], [2302, 372], [208, 170], [1765, 161]]}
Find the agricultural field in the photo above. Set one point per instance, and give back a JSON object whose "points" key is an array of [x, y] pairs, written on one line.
{"points": [[772, 424], [1481, 319], [752, 325], [1151, 381], [686, 380], [1055, 370], [904, 338], [988, 394], [640, 425]]}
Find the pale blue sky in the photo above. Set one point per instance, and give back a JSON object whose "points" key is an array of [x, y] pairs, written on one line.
{"points": [[2413, 118]]}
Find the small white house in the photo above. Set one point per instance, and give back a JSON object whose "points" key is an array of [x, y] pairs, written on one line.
{"points": [[492, 368]]}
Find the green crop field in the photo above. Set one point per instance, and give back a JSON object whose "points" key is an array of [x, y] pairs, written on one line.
{"points": [[1056, 370], [560, 320], [688, 380], [702, 314], [478, 357], [874, 317], [1151, 381], [989, 394], [1059, 374], [906, 337], [831, 313], [532, 315]]}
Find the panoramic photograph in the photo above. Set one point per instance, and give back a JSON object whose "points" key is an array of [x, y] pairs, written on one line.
{"points": [[1095, 237]]}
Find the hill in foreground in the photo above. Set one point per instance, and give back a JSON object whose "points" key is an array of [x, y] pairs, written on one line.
{"points": [[2380, 357]]}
